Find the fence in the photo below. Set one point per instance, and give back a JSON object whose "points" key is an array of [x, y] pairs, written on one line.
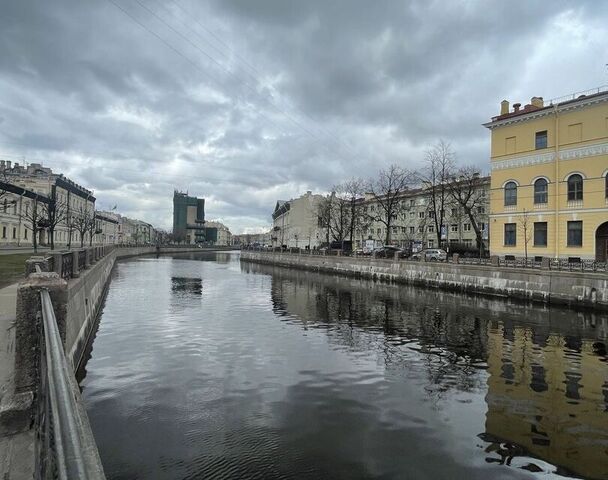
{"points": [[66, 445], [544, 263]]}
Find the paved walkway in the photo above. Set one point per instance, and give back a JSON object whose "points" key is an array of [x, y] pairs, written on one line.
{"points": [[16, 449]]}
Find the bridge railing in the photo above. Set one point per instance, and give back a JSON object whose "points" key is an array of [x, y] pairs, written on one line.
{"points": [[66, 448]]}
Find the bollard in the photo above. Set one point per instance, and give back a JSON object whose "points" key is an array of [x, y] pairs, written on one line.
{"points": [[455, 258]]}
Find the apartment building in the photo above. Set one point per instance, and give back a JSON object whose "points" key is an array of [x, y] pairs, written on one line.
{"points": [[414, 226], [549, 189], [295, 222], [216, 233]]}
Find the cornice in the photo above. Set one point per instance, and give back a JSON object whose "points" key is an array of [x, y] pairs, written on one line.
{"points": [[563, 107], [564, 154]]}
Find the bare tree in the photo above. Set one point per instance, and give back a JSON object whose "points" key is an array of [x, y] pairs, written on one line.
{"points": [[35, 219], [435, 176], [525, 226], [352, 193], [468, 191], [387, 191], [323, 213], [82, 221], [54, 213]]}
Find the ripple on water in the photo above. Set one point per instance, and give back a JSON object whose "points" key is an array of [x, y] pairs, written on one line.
{"points": [[203, 370]]}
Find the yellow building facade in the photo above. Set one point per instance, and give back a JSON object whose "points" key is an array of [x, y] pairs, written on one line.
{"points": [[549, 186]]}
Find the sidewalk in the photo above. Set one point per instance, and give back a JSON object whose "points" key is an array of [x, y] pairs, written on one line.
{"points": [[11, 250], [16, 449]]}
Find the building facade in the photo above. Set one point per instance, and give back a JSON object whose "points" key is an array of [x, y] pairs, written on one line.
{"points": [[414, 226], [188, 218], [295, 222], [69, 203], [550, 178], [216, 233]]}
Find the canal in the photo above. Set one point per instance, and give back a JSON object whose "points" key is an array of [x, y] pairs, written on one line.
{"points": [[206, 367]]}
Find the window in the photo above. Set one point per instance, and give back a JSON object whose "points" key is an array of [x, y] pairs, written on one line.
{"points": [[411, 214], [412, 230], [3, 232], [420, 229], [412, 203], [14, 232], [402, 229], [454, 212], [606, 186], [454, 227], [541, 139], [431, 214], [421, 214], [540, 191], [575, 234], [481, 210], [540, 234], [25, 233], [5, 205], [575, 187], [379, 231], [510, 193], [430, 243], [510, 234], [467, 242], [431, 228], [466, 227]]}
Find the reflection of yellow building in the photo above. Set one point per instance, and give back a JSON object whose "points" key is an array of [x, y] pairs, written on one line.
{"points": [[550, 178], [539, 398]]}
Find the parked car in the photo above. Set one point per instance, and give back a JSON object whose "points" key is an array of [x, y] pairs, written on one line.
{"points": [[389, 251], [431, 255]]}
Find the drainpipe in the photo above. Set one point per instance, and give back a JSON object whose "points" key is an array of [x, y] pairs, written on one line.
{"points": [[555, 112]]}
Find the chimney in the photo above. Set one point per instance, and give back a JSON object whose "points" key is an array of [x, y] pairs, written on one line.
{"points": [[504, 107], [1, 164], [308, 192], [8, 165], [537, 102], [516, 107]]}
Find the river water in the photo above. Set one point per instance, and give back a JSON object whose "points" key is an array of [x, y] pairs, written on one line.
{"points": [[205, 367]]}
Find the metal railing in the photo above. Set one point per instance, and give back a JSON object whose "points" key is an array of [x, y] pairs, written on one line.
{"points": [[65, 429], [563, 264], [575, 95]]}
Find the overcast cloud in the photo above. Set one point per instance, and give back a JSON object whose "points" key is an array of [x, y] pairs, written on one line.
{"points": [[245, 102]]}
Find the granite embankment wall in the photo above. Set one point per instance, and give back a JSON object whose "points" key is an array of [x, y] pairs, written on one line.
{"points": [[574, 289]]}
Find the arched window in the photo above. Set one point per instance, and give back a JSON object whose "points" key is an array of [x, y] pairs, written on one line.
{"points": [[575, 187], [540, 191], [606, 185], [511, 193]]}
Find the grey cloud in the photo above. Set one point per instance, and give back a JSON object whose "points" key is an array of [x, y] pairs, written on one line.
{"points": [[307, 93]]}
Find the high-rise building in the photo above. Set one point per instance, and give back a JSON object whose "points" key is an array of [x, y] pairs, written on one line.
{"points": [[188, 218], [549, 185]]}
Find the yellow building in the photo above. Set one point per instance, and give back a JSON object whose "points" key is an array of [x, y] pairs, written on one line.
{"points": [[549, 188]]}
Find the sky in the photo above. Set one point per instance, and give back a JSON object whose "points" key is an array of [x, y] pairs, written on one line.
{"points": [[247, 102]]}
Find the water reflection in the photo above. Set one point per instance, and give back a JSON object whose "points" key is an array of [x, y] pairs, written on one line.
{"points": [[220, 369], [547, 388], [187, 286], [547, 394]]}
